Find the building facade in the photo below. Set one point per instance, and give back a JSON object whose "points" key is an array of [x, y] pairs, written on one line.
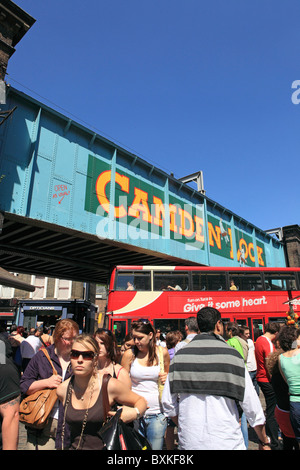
{"points": [[291, 239], [52, 300]]}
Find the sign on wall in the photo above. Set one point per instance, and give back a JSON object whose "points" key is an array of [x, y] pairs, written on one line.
{"points": [[132, 207]]}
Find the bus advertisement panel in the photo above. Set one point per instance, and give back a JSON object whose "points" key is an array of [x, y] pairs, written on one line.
{"points": [[168, 295]]}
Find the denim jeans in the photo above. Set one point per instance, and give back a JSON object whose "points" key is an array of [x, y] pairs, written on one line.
{"points": [[254, 381], [295, 418], [244, 428], [271, 423], [153, 427]]}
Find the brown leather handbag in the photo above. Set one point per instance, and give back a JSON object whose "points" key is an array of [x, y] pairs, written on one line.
{"points": [[35, 408]]}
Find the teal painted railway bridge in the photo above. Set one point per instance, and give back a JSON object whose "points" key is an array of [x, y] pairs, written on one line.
{"points": [[74, 204]]}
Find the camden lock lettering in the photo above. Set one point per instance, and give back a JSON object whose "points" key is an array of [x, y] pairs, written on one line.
{"points": [[141, 208], [221, 242], [182, 221]]}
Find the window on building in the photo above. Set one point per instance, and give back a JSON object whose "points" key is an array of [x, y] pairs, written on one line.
{"points": [[40, 283], [6, 292], [101, 291], [63, 289]]}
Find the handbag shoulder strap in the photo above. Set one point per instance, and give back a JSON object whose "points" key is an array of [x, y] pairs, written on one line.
{"points": [[43, 342], [48, 357], [161, 359], [106, 407]]}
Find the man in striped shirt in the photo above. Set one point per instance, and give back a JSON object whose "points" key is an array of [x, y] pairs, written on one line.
{"points": [[210, 378]]}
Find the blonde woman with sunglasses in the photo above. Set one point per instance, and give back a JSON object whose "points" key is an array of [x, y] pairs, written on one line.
{"points": [[82, 398]]}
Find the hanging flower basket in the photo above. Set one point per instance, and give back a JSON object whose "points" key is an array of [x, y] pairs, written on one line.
{"points": [[292, 318]]}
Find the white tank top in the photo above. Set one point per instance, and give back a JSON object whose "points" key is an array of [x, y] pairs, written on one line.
{"points": [[144, 382]]}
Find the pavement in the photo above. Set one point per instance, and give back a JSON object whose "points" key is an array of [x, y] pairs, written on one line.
{"points": [[253, 441], [22, 437]]}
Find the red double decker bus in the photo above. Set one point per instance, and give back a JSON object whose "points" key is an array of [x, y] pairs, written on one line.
{"points": [[167, 295]]}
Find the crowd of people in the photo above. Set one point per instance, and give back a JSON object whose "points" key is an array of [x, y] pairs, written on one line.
{"points": [[205, 383]]}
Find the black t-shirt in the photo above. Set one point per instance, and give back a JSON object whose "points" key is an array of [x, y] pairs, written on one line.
{"points": [[9, 376]]}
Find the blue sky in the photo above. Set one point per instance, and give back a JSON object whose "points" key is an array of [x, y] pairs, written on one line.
{"points": [[187, 85]]}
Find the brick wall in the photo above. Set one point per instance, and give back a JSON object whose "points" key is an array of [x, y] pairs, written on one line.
{"points": [[291, 238], [14, 24], [22, 294]]}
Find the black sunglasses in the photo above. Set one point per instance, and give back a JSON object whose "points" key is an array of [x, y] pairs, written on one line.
{"points": [[86, 355]]}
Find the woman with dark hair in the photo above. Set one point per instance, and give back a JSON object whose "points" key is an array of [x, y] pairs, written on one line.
{"points": [[46, 338], [173, 338], [126, 344], [148, 366], [15, 338], [108, 356], [286, 339]]}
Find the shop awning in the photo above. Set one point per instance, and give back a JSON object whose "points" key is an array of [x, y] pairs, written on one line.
{"points": [[9, 280]]}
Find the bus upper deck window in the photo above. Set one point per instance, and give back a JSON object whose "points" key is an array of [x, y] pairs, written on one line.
{"points": [[247, 282], [124, 280], [172, 281], [211, 282], [216, 282], [142, 281], [279, 281], [137, 281]]}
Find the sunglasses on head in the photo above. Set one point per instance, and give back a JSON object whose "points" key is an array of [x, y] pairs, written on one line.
{"points": [[143, 320], [86, 355], [104, 330]]}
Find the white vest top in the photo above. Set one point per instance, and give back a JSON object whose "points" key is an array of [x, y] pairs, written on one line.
{"points": [[144, 382]]}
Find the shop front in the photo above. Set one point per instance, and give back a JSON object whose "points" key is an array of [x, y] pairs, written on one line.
{"points": [[35, 313], [8, 310]]}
